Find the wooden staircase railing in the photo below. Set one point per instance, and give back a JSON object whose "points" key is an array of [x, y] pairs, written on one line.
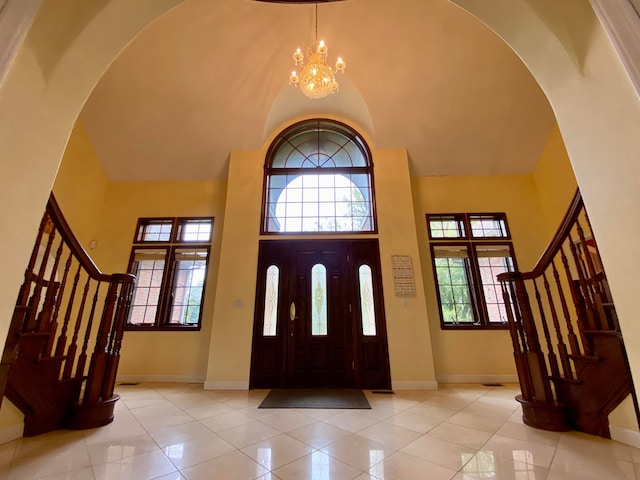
{"points": [[63, 345], [569, 352]]}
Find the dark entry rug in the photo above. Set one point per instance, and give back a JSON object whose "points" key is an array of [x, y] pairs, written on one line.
{"points": [[315, 398]]}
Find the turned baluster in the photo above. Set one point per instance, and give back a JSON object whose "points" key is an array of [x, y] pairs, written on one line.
{"points": [[62, 339], [573, 339], [82, 358], [551, 355], [562, 347], [71, 350]]}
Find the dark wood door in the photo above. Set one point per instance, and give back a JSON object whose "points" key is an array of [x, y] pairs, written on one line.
{"points": [[319, 350], [308, 321]]}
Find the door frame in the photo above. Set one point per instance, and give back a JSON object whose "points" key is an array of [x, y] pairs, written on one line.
{"points": [[270, 355]]}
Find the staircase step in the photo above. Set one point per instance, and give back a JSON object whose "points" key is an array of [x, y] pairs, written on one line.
{"points": [[603, 333], [584, 358], [562, 379]]}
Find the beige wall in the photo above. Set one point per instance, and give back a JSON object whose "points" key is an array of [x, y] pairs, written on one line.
{"points": [[409, 342]]}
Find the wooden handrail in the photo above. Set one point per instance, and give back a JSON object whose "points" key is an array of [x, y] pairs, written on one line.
{"points": [[556, 242], [78, 251], [61, 310]]}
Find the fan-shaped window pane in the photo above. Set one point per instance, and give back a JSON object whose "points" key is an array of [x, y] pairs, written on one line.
{"points": [[318, 300], [271, 302], [366, 301], [318, 179]]}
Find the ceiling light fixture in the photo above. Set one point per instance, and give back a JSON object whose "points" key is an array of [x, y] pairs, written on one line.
{"points": [[316, 78]]}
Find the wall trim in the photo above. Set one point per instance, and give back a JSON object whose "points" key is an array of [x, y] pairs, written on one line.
{"points": [[477, 378], [227, 385], [160, 379], [624, 435], [12, 432], [415, 385]]}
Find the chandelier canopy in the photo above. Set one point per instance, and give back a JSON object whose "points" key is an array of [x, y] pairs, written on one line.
{"points": [[316, 78]]}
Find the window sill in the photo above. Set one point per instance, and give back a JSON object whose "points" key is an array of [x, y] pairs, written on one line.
{"points": [[162, 328], [474, 327]]}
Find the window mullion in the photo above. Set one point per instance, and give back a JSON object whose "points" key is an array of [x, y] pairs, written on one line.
{"points": [[478, 301], [164, 304]]}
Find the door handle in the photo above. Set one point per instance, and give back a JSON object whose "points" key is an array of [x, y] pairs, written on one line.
{"points": [[292, 311]]}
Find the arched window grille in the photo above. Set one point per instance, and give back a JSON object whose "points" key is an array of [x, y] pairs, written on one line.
{"points": [[318, 178]]}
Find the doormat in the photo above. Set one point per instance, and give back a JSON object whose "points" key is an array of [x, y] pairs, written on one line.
{"points": [[328, 398]]}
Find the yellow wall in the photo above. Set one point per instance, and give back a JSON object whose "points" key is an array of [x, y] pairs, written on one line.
{"points": [[466, 355], [555, 181], [163, 356], [81, 186]]}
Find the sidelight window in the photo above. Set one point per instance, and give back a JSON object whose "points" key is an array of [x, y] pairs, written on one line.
{"points": [[366, 301], [271, 302]]}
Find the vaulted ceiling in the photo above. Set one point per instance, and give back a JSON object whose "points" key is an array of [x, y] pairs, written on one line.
{"points": [[211, 76]]}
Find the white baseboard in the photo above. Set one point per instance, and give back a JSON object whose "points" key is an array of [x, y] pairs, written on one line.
{"points": [[415, 385], [229, 385], [160, 379], [624, 435], [477, 378], [10, 433]]}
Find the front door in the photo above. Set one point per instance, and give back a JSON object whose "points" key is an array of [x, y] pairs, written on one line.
{"points": [[319, 317]]}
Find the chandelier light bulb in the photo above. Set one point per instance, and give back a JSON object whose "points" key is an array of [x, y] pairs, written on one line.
{"points": [[316, 79], [321, 48]]}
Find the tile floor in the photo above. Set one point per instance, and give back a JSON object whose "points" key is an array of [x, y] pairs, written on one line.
{"points": [[180, 431]]}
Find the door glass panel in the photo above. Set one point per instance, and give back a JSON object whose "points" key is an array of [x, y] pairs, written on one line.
{"points": [[271, 302], [319, 300], [366, 301]]}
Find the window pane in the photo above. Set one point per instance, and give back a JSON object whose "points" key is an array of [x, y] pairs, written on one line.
{"points": [[190, 269], [446, 226], [318, 300], [155, 231], [148, 267], [492, 261], [271, 302], [366, 301], [321, 203], [196, 230], [488, 226], [455, 291]]}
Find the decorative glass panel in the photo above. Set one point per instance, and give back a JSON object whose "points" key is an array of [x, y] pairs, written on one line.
{"points": [[366, 301], [190, 269], [271, 302], [318, 300]]}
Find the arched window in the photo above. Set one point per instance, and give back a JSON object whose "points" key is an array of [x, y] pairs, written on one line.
{"points": [[318, 178]]}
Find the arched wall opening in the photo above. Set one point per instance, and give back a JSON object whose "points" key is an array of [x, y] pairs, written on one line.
{"points": [[596, 107]]}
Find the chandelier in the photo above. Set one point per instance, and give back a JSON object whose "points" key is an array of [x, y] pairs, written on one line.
{"points": [[316, 78]]}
